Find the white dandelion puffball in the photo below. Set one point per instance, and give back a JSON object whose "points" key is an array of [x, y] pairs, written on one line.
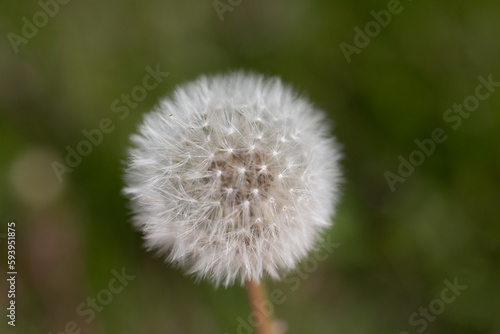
{"points": [[233, 177]]}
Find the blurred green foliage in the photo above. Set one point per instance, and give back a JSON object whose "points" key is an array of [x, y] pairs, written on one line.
{"points": [[396, 248]]}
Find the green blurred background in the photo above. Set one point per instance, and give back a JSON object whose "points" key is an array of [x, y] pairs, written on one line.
{"points": [[396, 248]]}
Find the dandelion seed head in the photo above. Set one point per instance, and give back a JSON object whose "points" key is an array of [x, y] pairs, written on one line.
{"points": [[215, 203]]}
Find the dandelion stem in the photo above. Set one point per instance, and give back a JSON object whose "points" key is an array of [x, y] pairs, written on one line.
{"points": [[256, 299]]}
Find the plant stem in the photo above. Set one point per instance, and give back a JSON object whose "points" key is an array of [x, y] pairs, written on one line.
{"points": [[256, 299]]}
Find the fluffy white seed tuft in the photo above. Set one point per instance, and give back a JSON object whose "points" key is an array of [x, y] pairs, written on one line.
{"points": [[233, 177]]}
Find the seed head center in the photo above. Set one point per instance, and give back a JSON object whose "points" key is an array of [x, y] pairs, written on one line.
{"points": [[245, 173]]}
